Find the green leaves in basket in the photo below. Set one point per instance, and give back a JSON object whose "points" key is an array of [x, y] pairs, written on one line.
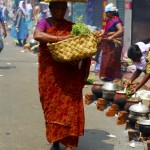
{"points": [[80, 28]]}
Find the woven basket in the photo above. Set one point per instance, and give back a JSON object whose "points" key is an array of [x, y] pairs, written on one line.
{"points": [[47, 1], [74, 49]]}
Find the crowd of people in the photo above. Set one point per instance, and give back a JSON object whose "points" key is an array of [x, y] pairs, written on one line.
{"points": [[61, 84], [22, 19]]}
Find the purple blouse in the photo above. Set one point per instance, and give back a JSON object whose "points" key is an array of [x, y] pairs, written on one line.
{"points": [[43, 24], [113, 28]]}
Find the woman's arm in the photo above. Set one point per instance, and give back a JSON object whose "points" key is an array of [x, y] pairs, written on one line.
{"points": [[101, 33], [3, 24], [144, 80], [40, 35], [135, 75], [4, 29], [19, 18]]}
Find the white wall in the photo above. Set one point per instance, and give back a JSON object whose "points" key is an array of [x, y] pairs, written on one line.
{"points": [[127, 26]]}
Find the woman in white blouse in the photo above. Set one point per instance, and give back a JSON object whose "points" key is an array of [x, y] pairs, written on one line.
{"points": [[139, 53]]}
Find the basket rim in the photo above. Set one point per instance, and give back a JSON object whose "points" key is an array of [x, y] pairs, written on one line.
{"points": [[82, 35]]}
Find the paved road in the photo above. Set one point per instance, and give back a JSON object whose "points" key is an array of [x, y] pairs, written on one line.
{"points": [[21, 118]]}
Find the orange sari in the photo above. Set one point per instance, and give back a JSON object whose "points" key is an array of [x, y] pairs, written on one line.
{"points": [[60, 87]]}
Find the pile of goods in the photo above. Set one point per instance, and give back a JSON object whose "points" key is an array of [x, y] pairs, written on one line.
{"points": [[129, 110], [90, 80], [32, 46]]}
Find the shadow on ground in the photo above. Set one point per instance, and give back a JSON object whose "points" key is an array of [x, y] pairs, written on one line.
{"points": [[94, 140], [7, 67]]}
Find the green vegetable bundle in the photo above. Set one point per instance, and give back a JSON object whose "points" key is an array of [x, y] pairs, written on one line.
{"points": [[90, 80], [128, 93], [80, 28]]}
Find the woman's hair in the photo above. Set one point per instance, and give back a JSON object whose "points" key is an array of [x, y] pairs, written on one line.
{"points": [[134, 52], [52, 4], [146, 41], [116, 13]]}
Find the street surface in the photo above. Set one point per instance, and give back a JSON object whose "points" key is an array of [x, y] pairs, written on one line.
{"points": [[21, 118]]}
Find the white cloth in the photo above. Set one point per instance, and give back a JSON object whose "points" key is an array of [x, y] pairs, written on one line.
{"points": [[144, 50], [143, 47], [22, 8], [110, 7], [29, 7]]}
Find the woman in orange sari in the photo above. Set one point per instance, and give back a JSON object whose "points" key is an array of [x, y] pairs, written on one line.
{"points": [[60, 84]]}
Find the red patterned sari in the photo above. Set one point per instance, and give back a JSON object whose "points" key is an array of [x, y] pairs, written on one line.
{"points": [[60, 87], [111, 53]]}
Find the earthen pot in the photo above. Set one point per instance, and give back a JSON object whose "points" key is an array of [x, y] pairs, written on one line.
{"points": [[122, 117], [88, 98], [120, 99], [112, 110], [88, 101], [97, 89], [101, 104]]}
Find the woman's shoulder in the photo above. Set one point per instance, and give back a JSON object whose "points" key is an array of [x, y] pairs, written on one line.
{"points": [[43, 24], [19, 11], [42, 19]]}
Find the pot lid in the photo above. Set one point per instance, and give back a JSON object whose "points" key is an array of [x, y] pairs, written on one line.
{"points": [[139, 108], [144, 122], [98, 83], [109, 86], [121, 92]]}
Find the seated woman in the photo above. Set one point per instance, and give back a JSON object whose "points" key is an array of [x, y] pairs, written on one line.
{"points": [[140, 55]]}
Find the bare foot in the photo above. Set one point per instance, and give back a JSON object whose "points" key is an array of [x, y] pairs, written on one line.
{"points": [[68, 148]]}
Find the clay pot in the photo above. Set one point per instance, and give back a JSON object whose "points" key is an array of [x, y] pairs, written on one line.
{"points": [[120, 99], [88, 101], [88, 98], [112, 110], [131, 102], [122, 117], [97, 89], [101, 104]]}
